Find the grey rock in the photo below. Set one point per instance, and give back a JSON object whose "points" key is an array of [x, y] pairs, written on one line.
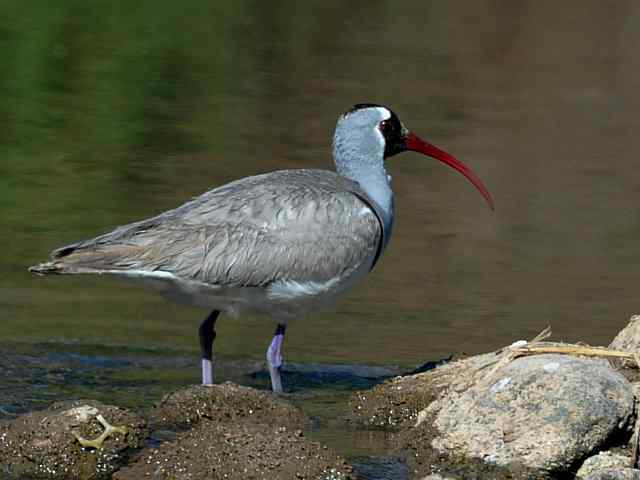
{"points": [[542, 412], [629, 337], [601, 461], [615, 474]]}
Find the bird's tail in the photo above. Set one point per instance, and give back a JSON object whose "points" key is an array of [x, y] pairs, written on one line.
{"points": [[63, 260], [58, 264], [49, 268]]}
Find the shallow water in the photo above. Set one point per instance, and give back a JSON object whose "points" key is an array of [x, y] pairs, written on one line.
{"points": [[113, 113], [36, 375]]}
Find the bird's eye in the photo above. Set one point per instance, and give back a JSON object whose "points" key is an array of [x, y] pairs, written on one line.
{"points": [[385, 126]]}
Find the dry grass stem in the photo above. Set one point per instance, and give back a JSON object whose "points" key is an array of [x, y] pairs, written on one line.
{"points": [[507, 353], [543, 335], [568, 349], [538, 346]]}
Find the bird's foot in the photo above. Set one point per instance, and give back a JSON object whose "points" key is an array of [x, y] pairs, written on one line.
{"points": [[98, 441]]}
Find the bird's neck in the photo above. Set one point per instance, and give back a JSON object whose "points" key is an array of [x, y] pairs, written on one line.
{"points": [[377, 185]]}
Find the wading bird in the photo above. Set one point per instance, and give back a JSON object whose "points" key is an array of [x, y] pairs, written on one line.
{"points": [[281, 244]]}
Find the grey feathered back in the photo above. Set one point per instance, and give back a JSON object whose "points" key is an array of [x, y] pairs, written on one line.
{"points": [[301, 225]]}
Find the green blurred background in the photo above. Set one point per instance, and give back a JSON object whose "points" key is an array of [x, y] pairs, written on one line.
{"points": [[114, 111]]}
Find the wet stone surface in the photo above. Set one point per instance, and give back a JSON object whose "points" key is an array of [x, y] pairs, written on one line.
{"points": [[43, 444]]}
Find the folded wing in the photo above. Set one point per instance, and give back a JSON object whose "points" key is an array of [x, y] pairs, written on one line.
{"points": [[301, 225]]}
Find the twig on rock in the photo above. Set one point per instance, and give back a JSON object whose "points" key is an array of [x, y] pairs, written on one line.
{"points": [[578, 350], [506, 355], [538, 346]]}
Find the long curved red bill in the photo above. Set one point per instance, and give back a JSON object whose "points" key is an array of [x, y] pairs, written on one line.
{"points": [[416, 144]]}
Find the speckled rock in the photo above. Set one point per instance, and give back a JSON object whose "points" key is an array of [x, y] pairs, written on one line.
{"points": [[395, 403], [601, 461], [629, 337], [42, 444], [542, 412], [615, 474], [231, 432], [238, 451], [225, 402]]}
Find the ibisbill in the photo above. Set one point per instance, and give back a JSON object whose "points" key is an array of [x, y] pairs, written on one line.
{"points": [[281, 244]]}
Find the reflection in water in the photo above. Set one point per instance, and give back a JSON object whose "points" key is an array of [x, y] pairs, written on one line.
{"points": [[114, 113]]}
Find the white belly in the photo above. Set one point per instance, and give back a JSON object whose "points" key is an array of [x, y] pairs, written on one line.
{"points": [[283, 299]]}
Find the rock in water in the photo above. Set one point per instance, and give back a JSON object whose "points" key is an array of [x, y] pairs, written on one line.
{"points": [[44, 444], [236, 433], [227, 451], [542, 412], [226, 402]]}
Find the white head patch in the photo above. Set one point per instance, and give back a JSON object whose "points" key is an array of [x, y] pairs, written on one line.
{"points": [[384, 115]]}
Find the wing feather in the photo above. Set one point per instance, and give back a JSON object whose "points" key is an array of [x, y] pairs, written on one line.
{"points": [[301, 225]]}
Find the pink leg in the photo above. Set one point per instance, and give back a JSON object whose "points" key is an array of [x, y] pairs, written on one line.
{"points": [[274, 357], [207, 372]]}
